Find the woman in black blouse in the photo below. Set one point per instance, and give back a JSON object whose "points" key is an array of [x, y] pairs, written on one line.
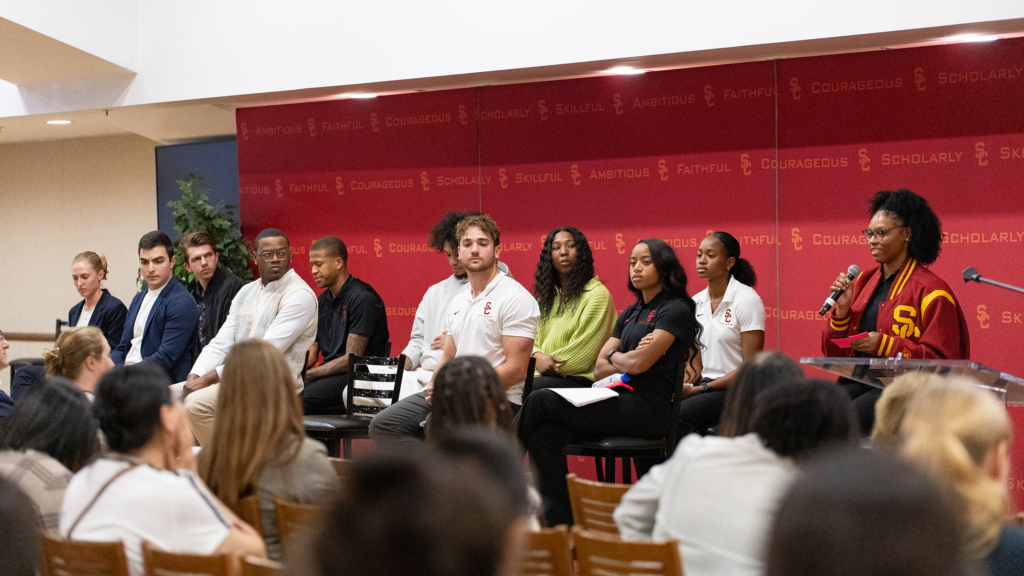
{"points": [[664, 312]]}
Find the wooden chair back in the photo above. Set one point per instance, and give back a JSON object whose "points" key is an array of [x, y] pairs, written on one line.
{"points": [[594, 502], [248, 509], [364, 384], [296, 520], [604, 554], [548, 553], [73, 558], [160, 563], [341, 468], [253, 566]]}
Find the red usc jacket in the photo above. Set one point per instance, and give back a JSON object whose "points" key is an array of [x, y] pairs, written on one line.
{"points": [[920, 318]]}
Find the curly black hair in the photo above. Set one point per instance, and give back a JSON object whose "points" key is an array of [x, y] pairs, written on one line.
{"points": [[546, 281], [798, 418], [913, 212], [468, 392], [444, 231], [673, 281]]}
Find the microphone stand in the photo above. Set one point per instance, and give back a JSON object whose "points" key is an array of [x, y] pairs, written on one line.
{"points": [[971, 274]]}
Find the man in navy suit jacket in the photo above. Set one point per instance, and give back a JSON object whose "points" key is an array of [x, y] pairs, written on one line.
{"points": [[162, 321]]}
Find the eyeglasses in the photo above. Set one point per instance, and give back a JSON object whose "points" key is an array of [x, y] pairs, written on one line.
{"points": [[269, 256], [880, 233]]}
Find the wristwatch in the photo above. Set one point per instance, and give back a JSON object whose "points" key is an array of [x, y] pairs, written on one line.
{"points": [[608, 356], [704, 387]]}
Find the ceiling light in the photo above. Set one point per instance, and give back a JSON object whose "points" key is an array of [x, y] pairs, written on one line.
{"points": [[362, 96], [971, 38], [625, 70], [58, 121]]}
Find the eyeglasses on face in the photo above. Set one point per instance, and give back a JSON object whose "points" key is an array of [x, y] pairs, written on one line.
{"points": [[879, 232], [268, 255]]}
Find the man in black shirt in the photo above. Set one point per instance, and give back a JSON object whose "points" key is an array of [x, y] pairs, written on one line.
{"points": [[351, 319], [217, 286]]}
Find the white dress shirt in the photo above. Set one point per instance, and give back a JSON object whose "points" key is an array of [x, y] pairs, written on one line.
{"points": [[297, 313], [135, 353]]}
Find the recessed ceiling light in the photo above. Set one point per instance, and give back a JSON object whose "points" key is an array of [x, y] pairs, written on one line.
{"points": [[58, 121], [625, 70], [971, 38], [362, 96]]}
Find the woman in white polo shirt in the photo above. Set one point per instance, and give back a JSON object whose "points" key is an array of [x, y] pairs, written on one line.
{"points": [[732, 317]]}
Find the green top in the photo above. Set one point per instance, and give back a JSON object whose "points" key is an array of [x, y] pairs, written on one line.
{"points": [[578, 335]]}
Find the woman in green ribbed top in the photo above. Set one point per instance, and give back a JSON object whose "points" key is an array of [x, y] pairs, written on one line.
{"points": [[576, 312]]}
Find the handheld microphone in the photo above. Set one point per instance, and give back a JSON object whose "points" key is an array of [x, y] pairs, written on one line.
{"points": [[851, 273]]}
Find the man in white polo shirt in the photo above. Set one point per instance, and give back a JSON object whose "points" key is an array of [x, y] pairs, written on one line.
{"points": [[493, 317]]}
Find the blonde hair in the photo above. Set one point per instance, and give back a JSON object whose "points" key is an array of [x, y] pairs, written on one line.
{"points": [[892, 407], [72, 348], [95, 259], [949, 431], [259, 420]]}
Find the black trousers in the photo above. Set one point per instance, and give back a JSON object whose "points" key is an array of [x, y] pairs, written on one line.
{"points": [[864, 399], [325, 395], [542, 382], [548, 423], [700, 412], [401, 425]]}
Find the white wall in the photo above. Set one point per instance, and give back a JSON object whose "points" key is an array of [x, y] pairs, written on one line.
{"points": [[61, 198]]}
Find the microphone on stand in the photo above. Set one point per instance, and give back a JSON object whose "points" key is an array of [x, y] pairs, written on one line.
{"points": [[851, 273]]}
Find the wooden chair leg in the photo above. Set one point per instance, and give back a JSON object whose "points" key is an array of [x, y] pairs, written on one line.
{"points": [[348, 448], [599, 467]]}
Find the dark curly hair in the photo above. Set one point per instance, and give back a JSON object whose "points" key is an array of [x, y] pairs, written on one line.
{"points": [[742, 270], [546, 281], [444, 231], [800, 418], [913, 212], [673, 281], [468, 392]]}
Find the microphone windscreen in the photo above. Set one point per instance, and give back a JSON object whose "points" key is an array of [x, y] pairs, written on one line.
{"points": [[853, 270]]}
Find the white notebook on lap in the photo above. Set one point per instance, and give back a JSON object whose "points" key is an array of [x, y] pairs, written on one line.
{"points": [[583, 396]]}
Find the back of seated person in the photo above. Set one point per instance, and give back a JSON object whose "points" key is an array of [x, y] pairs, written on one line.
{"points": [[467, 393], [259, 443], [427, 513], [81, 355], [892, 405], [859, 513], [145, 488], [717, 496], [763, 371], [19, 538], [49, 435]]}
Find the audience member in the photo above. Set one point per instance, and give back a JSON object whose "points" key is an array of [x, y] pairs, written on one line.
{"points": [[663, 308], [81, 355], [493, 317], [6, 403], [279, 308], [892, 407], [959, 434], [19, 539], [430, 513], [259, 443], [216, 286], [352, 320], [765, 370], [732, 317], [576, 312], [858, 513], [717, 496], [161, 324], [468, 392], [426, 342], [145, 488], [98, 307], [50, 435]]}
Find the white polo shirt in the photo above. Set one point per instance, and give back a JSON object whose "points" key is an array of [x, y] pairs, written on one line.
{"points": [[741, 310], [504, 308]]}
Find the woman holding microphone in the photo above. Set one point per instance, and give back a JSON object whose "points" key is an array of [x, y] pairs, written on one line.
{"points": [[899, 305]]}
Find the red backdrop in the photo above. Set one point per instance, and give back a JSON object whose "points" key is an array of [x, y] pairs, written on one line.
{"points": [[784, 155]]}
